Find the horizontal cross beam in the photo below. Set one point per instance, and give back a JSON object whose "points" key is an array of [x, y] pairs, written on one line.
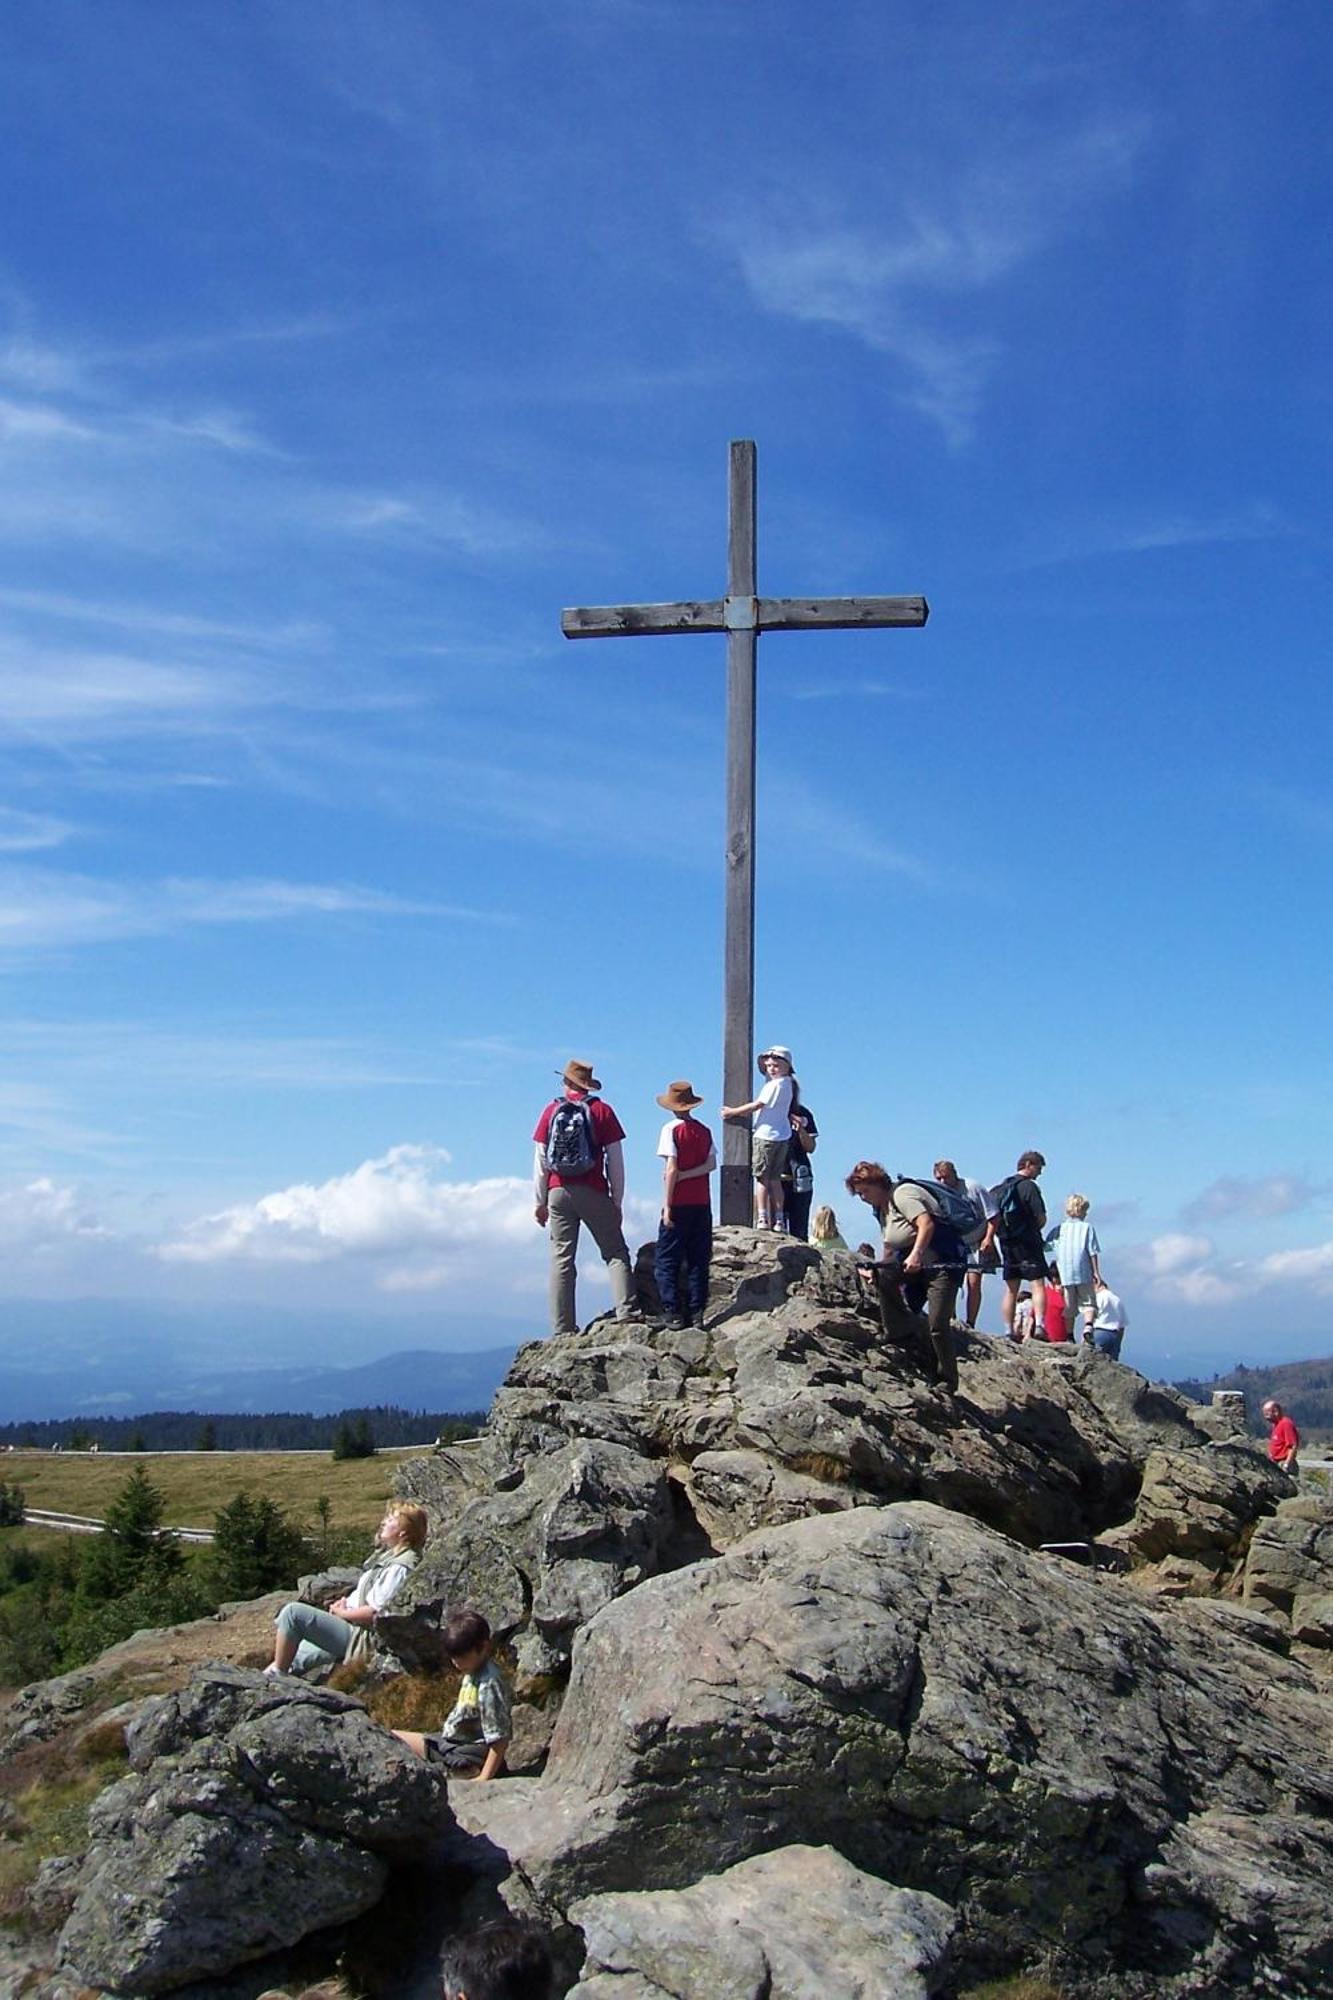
{"points": [[742, 614]]}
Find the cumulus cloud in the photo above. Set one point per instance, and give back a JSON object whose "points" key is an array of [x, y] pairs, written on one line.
{"points": [[1172, 1253], [399, 1223], [44, 1216], [397, 1212], [1186, 1270], [1312, 1267], [1179, 1269]]}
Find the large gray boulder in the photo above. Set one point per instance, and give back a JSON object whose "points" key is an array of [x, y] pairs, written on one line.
{"points": [[1289, 1567], [797, 1924], [1077, 1774], [256, 1812], [1201, 1505], [612, 1455], [573, 1528]]}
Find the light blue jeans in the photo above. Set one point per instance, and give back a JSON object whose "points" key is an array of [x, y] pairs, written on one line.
{"points": [[323, 1635]]}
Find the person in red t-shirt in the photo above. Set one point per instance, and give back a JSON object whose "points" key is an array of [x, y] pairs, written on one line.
{"points": [[685, 1234], [578, 1177], [1054, 1316], [1284, 1440]]}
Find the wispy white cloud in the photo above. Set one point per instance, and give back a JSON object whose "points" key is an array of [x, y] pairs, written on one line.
{"points": [[44, 690], [896, 287], [1147, 532], [87, 458], [28, 833], [821, 832], [854, 690], [43, 911], [446, 520], [156, 622], [1239, 1195], [164, 1056]]}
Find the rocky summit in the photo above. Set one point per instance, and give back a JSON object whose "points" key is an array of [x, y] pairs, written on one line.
{"points": [[828, 1684]]}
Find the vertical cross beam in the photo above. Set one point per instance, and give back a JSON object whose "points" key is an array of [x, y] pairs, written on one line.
{"points": [[738, 974], [742, 614]]}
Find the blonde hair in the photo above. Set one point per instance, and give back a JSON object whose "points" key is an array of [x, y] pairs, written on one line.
{"points": [[413, 1522], [823, 1224], [1077, 1206]]}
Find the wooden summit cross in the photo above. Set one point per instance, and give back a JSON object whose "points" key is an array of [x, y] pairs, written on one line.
{"points": [[742, 615]]}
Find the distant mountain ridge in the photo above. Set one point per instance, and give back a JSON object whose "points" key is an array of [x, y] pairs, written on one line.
{"points": [[1303, 1387], [414, 1378]]}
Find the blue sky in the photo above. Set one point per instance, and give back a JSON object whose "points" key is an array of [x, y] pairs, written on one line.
{"points": [[341, 346]]}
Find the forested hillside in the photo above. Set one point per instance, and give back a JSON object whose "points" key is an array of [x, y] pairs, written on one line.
{"points": [[1303, 1387], [282, 1430]]}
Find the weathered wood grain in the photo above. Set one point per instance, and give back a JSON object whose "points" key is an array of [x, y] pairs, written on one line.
{"points": [[736, 1196], [831, 614], [619, 621]]}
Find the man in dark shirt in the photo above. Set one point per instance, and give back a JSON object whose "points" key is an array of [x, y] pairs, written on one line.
{"points": [[1020, 1224]]}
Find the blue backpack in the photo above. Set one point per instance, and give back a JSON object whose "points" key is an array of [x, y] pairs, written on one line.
{"points": [[1014, 1219]]}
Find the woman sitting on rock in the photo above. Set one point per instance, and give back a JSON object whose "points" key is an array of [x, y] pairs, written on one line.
{"points": [[309, 1637]]}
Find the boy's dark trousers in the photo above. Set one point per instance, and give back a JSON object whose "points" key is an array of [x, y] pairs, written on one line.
{"points": [[686, 1241]]}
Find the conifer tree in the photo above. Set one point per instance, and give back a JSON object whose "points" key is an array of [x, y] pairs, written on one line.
{"points": [[132, 1547]]}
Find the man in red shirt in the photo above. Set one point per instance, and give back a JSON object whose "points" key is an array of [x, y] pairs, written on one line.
{"points": [[578, 1177], [1284, 1440]]}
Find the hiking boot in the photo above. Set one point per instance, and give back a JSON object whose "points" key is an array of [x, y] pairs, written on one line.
{"points": [[676, 1322], [946, 1362], [697, 1319]]}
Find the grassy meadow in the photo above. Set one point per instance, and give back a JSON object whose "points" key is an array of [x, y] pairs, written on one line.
{"points": [[197, 1483]]}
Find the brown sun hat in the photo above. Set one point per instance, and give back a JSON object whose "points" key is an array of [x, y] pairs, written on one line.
{"points": [[578, 1076], [679, 1097]]}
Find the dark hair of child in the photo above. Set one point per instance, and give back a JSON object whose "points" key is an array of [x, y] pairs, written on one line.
{"points": [[465, 1632], [500, 1961]]}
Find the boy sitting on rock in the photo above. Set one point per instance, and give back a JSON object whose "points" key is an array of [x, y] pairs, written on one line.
{"points": [[474, 1736]]}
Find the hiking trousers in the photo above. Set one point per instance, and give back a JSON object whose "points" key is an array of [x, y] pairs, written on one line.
{"points": [[324, 1636], [568, 1210], [685, 1244], [930, 1338]]}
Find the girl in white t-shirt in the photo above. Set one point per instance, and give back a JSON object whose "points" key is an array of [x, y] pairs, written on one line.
{"points": [[770, 1133]]}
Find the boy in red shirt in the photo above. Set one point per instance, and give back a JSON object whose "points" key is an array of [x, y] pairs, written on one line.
{"points": [[685, 1235]]}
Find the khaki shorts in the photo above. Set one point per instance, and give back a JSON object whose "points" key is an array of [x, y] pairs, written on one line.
{"points": [[767, 1158]]}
